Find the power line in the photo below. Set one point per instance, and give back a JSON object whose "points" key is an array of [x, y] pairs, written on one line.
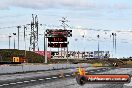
{"points": [[73, 27], [2, 17], [8, 27]]}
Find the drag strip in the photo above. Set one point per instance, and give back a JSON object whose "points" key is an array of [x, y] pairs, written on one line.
{"points": [[18, 83]]}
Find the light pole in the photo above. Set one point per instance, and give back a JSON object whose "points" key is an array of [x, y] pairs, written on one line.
{"points": [[25, 28], [98, 46], [25, 49], [114, 41], [84, 43], [18, 35], [9, 40], [14, 39], [75, 48]]}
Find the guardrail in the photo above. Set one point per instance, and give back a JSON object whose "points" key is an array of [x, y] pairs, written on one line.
{"points": [[29, 68]]}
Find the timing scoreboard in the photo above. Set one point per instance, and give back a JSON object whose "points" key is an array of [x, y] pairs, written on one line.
{"points": [[57, 38]]}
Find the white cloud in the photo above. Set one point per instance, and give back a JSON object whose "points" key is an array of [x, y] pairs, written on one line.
{"points": [[70, 4], [4, 5], [42, 4], [121, 6]]}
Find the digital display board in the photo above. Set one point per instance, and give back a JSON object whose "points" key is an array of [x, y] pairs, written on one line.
{"points": [[58, 33], [57, 45], [57, 39]]}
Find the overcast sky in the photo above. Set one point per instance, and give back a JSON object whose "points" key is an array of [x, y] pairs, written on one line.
{"points": [[113, 15]]}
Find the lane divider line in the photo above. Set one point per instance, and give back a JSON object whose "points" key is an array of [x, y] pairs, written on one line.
{"points": [[32, 80], [67, 75], [47, 78], [19, 82], [40, 79], [13, 83], [54, 77], [5, 84], [1, 85], [26, 81]]}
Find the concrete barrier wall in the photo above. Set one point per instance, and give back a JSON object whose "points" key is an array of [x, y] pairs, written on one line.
{"points": [[27, 68]]}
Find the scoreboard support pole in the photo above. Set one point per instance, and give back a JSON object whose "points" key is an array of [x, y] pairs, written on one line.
{"points": [[67, 50], [45, 48]]}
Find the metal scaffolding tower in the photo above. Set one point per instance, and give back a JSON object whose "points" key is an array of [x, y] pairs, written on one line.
{"points": [[34, 33]]}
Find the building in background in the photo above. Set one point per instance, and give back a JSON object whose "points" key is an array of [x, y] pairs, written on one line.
{"points": [[80, 55], [42, 53]]}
